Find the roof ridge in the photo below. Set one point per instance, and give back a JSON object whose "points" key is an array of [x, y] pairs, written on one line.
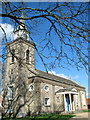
{"points": [[67, 80], [52, 74]]}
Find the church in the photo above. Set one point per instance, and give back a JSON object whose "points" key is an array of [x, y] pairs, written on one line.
{"points": [[30, 91]]}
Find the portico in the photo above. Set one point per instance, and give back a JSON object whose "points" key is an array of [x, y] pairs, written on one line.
{"points": [[69, 98]]}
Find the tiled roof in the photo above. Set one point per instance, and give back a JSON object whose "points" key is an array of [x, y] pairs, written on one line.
{"points": [[88, 101], [57, 78]]}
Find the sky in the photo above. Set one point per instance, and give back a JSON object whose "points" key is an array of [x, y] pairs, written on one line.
{"points": [[80, 76]]}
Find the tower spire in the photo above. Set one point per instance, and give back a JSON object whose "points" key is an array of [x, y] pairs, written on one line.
{"points": [[21, 29], [22, 20]]}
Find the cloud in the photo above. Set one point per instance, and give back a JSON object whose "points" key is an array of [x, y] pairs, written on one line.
{"points": [[88, 95], [64, 76], [8, 28], [52, 72], [75, 77], [60, 75]]}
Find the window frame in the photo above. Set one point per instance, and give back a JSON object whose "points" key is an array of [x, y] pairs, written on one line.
{"points": [[13, 55], [27, 56], [83, 99], [30, 88], [10, 110], [45, 88], [47, 101], [11, 96]]}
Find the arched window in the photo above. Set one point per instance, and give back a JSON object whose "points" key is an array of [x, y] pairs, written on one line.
{"points": [[31, 87], [47, 101], [27, 56], [13, 55], [10, 93]]}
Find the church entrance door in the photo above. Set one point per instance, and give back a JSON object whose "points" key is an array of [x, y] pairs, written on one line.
{"points": [[67, 102]]}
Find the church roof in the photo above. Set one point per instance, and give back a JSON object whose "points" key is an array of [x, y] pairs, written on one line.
{"points": [[88, 101], [58, 79]]}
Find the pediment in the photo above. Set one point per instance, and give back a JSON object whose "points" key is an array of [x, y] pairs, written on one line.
{"points": [[74, 89]]}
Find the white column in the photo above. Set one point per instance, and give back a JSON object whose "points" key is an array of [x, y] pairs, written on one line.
{"points": [[73, 104], [70, 102], [76, 102], [65, 103]]}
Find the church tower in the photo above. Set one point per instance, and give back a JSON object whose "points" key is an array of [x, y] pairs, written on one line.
{"points": [[19, 65]]}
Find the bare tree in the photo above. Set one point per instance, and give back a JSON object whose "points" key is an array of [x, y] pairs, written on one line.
{"points": [[61, 30], [65, 40], [67, 22]]}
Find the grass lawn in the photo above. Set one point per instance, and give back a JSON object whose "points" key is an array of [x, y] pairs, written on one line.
{"points": [[46, 117], [86, 111]]}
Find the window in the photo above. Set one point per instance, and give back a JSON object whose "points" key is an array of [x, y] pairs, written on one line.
{"points": [[10, 111], [25, 35], [27, 56], [13, 55], [47, 101], [10, 93], [31, 87], [11, 75], [11, 71], [77, 100], [83, 99], [46, 88]]}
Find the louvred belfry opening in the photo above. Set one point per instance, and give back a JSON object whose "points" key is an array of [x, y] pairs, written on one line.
{"points": [[21, 29]]}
